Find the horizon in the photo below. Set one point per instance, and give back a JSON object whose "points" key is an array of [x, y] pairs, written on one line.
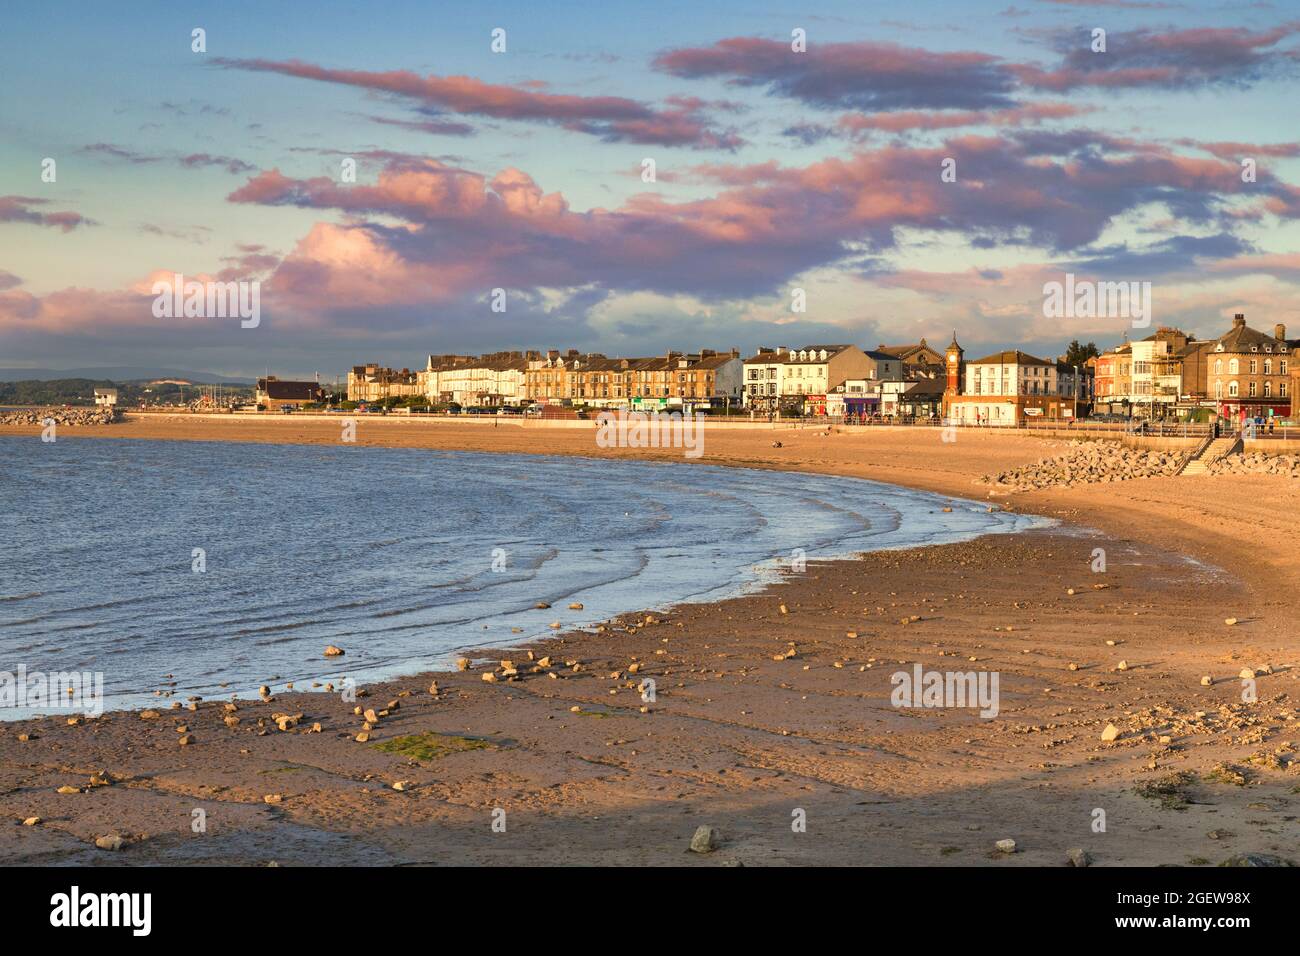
{"points": [[776, 171]]}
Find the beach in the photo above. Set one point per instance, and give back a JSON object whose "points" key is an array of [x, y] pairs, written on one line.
{"points": [[772, 719]]}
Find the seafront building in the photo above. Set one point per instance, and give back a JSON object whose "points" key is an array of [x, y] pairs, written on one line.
{"points": [[1244, 372], [1168, 374], [1252, 374], [674, 381], [485, 381], [375, 383], [276, 394], [1010, 387], [798, 381]]}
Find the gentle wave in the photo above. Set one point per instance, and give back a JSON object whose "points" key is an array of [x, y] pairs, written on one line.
{"points": [[387, 552]]}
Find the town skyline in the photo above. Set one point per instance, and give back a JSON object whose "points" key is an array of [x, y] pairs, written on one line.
{"points": [[799, 161]]}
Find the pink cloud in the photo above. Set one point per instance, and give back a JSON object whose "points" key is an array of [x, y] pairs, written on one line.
{"points": [[19, 209], [909, 120], [612, 118]]}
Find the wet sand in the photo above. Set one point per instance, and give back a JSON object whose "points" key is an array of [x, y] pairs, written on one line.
{"points": [[741, 741]]}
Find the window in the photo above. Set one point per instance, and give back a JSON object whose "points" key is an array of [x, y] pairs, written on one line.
{"points": [[1254, 366], [1232, 389], [1281, 389], [1233, 367], [1268, 389], [1218, 366], [1253, 387], [1281, 366], [1268, 366], [1218, 390]]}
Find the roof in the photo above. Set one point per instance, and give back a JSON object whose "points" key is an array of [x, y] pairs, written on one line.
{"points": [[879, 356], [1010, 357], [288, 390], [922, 387], [906, 352], [785, 358], [1241, 338]]}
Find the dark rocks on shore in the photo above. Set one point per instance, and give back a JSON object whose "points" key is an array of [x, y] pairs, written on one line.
{"points": [[1256, 464], [1089, 463], [99, 415]]}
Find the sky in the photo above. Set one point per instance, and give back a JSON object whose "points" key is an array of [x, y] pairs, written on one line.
{"points": [[524, 169]]}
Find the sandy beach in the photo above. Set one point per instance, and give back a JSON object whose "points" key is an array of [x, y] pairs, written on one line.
{"points": [[744, 735]]}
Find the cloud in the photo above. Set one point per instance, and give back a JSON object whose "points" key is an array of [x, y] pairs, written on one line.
{"points": [[1237, 151], [191, 161], [913, 120], [874, 77], [18, 209], [462, 233], [863, 76], [436, 127], [610, 118], [1172, 60]]}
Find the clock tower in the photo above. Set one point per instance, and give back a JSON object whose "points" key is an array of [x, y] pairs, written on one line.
{"points": [[956, 367]]}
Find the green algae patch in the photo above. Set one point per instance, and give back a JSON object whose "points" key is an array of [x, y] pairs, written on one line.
{"points": [[431, 746], [1171, 790]]}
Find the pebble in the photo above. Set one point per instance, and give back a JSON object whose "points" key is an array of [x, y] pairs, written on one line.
{"points": [[1006, 846], [705, 840], [332, 651], [110, 842], [1110, 733], [1079, 857]]}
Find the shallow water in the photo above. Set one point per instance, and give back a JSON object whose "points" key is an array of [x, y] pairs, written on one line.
{"points": [[400, 556]]}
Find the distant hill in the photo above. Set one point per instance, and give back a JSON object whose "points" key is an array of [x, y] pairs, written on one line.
{"points": [[119, 373]]}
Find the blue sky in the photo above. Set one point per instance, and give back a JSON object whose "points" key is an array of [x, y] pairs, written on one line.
{"points": [[775, 171]]}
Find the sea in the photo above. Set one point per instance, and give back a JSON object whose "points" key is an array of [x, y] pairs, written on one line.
{"points": [[210, 568]]}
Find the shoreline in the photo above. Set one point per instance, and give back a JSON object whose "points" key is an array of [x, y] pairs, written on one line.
{"points": [[747, 577], [650, 778]]}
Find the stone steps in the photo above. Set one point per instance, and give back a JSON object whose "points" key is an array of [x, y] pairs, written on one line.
{"points": [[1213, 452]]}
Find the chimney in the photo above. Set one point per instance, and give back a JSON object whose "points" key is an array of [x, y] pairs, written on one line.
{"points": [[1279, 332], [1239, 320]]}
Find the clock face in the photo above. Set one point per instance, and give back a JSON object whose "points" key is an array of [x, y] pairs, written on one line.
{"points": [[952, 359]]}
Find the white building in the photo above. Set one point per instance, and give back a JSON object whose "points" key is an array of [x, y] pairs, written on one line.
{"points": [[105, 396], [801, 379]]}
